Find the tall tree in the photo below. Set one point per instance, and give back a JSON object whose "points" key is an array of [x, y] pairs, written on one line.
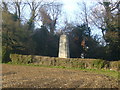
{"points": [[46, 43], [50, 14], [14, 38], [78, 40], [34, 6], [18, 8], [5, 6], [106, 19], [84, 15]]}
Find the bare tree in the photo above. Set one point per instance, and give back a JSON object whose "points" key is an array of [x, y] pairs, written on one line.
{"points": [[84, 15], [34, 8], [18, 6], [105, 16], [15, 7], [45, 17], [50, 14], [4, 6]]}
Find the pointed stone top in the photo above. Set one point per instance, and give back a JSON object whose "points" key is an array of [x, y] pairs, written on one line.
{"points": [[64, 33]]}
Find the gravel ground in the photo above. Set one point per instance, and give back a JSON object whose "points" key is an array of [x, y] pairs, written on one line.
{"points": [[18, 76]]}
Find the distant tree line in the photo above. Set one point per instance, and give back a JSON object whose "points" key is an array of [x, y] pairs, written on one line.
{"points": [[24, 38]]}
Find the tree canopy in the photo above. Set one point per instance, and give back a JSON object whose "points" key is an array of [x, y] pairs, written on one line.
{"points": [[21, 36]]}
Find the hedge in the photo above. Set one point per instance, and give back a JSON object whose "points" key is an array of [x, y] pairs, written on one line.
{"points": [[65, 62]]}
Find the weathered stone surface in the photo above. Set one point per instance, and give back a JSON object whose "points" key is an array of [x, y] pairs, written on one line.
{"points": [[64, 47]]}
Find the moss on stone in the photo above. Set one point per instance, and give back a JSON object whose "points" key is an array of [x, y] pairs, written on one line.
{"points": [[65, 62]]}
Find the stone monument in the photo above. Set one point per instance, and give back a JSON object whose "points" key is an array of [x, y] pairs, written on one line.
{"points": [[64, 47]]}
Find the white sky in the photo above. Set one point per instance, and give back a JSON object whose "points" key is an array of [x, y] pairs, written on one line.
{"points": [[71, 8]]}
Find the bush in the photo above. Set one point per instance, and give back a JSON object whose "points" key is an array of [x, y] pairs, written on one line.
{"points": [[5, 54], [99, 64], [82, 65], [65, 62], [115, 65], [21, 59]]}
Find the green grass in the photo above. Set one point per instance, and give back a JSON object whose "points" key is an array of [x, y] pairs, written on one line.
{"points": [[110, 73]]}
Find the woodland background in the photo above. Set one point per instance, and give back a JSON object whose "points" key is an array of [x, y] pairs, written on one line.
{"points": [[21, 36]]}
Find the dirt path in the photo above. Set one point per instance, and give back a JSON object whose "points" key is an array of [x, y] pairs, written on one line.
{"points": [[43, 77]]}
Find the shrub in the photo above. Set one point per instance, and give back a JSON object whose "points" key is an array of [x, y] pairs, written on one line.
{"points": [[65, 62], [82, 65], [115, 65], [18, 59], [98, 64], [5, 54]]}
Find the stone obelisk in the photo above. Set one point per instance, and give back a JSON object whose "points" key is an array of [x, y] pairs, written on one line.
{"points": [[64, 47]]}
